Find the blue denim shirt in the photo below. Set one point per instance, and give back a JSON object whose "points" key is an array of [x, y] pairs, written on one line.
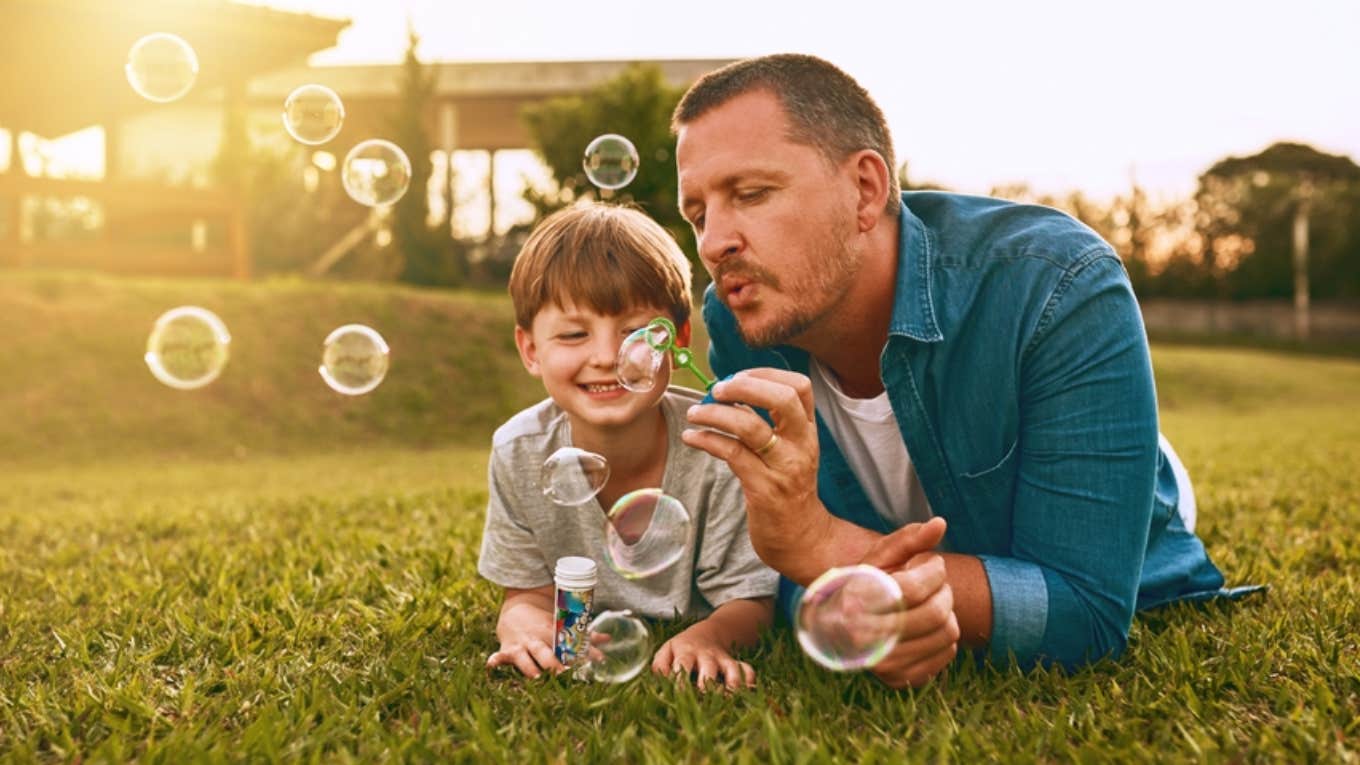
{"points": [[1018, 370]]}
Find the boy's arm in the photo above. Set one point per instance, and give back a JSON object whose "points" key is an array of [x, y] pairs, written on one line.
{"points": [[525, 629], [705, 648]]}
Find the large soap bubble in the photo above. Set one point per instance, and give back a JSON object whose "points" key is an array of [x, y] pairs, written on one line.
{"points": [[610, 161], [849, 618], [313, 114], [161, 67], [646, 532], [641, 356], [376, 173], [188, 347], [573, 476], [354, 359], [620, 646]]}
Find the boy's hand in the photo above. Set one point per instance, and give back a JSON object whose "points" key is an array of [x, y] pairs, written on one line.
{"points": [[692, 653], [531, 656], [525, 629]]}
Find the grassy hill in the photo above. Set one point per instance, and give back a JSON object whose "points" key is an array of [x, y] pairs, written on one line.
{"points": [[78, 390]]}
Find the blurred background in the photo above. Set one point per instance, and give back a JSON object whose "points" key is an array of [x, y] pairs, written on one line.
{"points": [[1213, 144]]}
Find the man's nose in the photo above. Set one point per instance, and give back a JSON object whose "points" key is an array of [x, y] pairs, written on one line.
{"points": [[719, 240]]}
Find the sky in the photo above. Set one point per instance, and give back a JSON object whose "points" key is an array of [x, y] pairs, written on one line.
{"points": [[1060, 95]]}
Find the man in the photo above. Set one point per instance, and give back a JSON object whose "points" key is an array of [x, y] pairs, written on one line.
{"points": [[925, 356]]}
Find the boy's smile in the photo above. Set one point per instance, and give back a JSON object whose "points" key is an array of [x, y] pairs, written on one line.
{"points": [[574, 351]]}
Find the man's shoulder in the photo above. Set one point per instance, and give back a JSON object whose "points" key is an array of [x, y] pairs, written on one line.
{"points": [[974, 231], [534, 426]]}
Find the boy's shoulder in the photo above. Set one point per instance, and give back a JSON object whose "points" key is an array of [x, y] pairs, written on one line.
{"points": [[538, 423]]}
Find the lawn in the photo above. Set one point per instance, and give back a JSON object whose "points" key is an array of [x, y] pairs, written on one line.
{"points": [[315, 598]]}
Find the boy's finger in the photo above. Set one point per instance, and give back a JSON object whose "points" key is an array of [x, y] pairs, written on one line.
{"points": [[545, 657], [520, 658], [748, 674], [661, 663], [732, 674], [708, 671]]}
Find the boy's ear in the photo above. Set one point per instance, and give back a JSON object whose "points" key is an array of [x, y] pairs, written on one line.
{"points": [[528, 354], [683, 334]]}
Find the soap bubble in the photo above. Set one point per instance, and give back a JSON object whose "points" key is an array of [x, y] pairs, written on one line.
{"points": [[640, 358], [611, 161], [849, 617], [376, 172], [313, 114], [161, 67], [188, 347], [574, 476], [354, 359], [646, 532], [620, 646]]}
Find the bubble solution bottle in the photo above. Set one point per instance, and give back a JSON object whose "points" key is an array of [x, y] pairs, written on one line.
{"points": [[573, 596]]}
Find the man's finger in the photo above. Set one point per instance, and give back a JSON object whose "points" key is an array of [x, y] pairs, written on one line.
{"points": [[920, 578], [935, 613], [798, 382], [788, 399], [895, 549]]}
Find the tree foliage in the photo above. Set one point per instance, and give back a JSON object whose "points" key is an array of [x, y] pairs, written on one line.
{"points": [[430, 256], [1246, 209], [636, 104]]}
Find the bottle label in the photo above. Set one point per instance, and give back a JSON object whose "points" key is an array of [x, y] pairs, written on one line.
{"points": [[573, 615]]}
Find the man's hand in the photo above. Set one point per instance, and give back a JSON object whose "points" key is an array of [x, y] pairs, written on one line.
{"points": [[928, 632], [777, 466], [693, 653]]}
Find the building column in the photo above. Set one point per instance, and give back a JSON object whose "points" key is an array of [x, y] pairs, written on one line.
{"points": [[491, 194]]}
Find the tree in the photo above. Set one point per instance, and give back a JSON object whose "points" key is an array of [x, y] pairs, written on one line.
{"points": [[430, 256], [636, 104], [1273, 220]]}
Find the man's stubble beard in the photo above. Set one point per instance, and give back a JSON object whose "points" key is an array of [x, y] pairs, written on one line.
{"points": [[842, 265]]}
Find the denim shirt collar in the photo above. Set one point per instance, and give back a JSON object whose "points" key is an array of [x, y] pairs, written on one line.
{"points": [[913, 313]]}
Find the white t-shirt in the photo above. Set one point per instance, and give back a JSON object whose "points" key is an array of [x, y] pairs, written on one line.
{"points": [[866, 431]]}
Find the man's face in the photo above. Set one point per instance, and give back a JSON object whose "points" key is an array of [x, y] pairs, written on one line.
{"points": [[774, 220]]}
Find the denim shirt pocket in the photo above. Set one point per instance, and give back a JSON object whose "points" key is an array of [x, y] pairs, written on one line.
{"points": [[991, 488]]}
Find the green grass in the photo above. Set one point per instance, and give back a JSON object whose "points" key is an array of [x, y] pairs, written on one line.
{"points": [[314, 598]]}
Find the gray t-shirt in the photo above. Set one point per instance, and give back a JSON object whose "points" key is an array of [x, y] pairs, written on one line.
{"points": [[526, 532]]}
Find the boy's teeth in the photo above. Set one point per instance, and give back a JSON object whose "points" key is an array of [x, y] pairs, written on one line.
{"points": [[601, 388]]}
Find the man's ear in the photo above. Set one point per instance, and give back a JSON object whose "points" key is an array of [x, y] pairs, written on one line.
{"points": [[872, 181], [528, 354], [682, 334]]}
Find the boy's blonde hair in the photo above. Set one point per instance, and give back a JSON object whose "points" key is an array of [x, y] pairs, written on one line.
{"points": [[607, 258]]}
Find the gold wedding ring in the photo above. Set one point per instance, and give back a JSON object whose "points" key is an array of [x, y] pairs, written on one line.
{"points": [[774, 439]]}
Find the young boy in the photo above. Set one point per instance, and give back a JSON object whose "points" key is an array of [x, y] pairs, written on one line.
{"points": [[587, 277]]}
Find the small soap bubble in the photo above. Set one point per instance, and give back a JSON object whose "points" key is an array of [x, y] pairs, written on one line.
{"points": [[354, 359], [376, 172], [188, 347], [641, 356], [611, 161], [849, 617], [645, 533], [573, 476], [313, 114], [620, 645], [161, 67]]}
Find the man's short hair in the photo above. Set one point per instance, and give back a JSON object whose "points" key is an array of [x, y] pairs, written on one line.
{"points": [[826, 108], [604, 257]]}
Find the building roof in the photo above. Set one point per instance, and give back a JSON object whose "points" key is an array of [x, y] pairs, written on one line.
{"points": [[63, 60]]}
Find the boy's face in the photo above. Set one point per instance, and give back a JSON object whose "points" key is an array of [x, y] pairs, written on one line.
{"points": [[574, 351]]}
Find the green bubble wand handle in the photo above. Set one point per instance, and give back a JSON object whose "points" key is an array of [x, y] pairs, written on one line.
{"points": [[682, 357]]}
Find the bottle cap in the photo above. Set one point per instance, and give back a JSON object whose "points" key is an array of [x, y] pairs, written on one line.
{"points": [[575, 572]]}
